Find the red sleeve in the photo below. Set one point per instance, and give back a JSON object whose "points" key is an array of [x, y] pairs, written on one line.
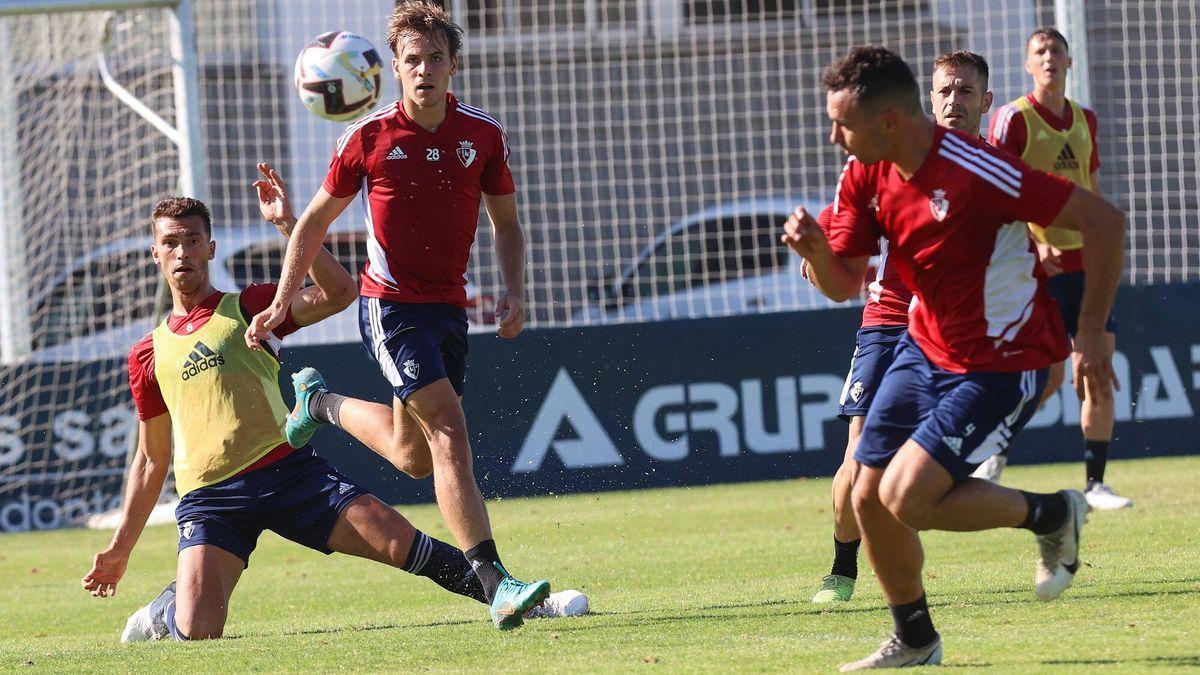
{"points": [[825, 218], [257, 297], [347, 166], [1093, 124], [142, 382], [1007, 130], [497, 179], [853, 230]]}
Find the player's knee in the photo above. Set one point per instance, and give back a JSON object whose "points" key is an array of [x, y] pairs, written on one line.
{"points": [[904, 503], [201, 626], [843, 486], [414, 468], [864, 496]]}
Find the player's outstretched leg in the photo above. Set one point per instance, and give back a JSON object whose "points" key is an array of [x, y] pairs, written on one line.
{"points": [[150, 622]]}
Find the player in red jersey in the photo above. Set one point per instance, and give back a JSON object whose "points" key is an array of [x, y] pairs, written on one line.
{"points": [[1053, 133], [959, 97], [982, 333], [420, 167]]}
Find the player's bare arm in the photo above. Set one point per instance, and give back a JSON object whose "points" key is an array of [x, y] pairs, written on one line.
{"points": [[147, 474], [334, 289], [510, 252], [1103, 229], [306, 242], [838, 278]]}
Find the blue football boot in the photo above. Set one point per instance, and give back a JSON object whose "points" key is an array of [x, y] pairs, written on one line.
{"points": [[300, 425], [513, 598]]}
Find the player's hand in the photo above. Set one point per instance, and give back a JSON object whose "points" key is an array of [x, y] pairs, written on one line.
{"points": [[1092, 364], [262, 324], [107, 569], [510, 315], [1051, 259], [803, 235], [273, 200], [805, 269]]}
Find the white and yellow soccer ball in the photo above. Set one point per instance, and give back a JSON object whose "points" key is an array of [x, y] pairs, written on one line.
{"points": [[338, 75]]}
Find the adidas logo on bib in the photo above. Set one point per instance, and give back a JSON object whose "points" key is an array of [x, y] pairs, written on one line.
{"points": [[396, 153], [200, 359]]}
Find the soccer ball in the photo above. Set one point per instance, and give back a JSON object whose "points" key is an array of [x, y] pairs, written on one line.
{"points": [[338, 75]]}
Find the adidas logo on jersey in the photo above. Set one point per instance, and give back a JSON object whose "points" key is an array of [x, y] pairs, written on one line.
{"points": [[1066, 159], [201, 359], [396, 153], [954, 443]]}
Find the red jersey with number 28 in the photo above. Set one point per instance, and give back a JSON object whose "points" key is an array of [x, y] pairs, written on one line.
{"points": [[957, 236], [420, 190]]}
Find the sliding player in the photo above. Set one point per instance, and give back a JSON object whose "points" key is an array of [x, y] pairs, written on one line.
{"points": [[197, 386]]}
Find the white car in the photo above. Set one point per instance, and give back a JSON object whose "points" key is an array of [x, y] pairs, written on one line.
{"points": [[726, 260]]}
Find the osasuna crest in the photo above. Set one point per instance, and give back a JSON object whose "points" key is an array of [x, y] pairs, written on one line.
{"points": [[856, 391], [939, 206], [411, 367], [466, 154], [186, 530]]}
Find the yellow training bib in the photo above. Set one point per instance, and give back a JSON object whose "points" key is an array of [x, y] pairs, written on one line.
{"points": [[224, 400], [1063, 153]]}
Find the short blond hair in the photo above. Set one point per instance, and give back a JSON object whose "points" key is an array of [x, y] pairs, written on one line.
{"points": [[416, 17]]}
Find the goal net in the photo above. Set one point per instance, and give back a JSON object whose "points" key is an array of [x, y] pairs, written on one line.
{"points": [[657, 146], [80, 173]]}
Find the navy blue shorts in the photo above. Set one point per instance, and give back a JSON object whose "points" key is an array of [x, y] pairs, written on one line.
{"points": [[415, 344], [298, 497], [1067, 291], [874, 347], [959, 419]]}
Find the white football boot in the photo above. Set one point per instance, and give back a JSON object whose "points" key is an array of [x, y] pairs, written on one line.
{"points": [[991, 468], [895, 654], [560, 604], [1102, 498], [150, 622], [1060, 549]]}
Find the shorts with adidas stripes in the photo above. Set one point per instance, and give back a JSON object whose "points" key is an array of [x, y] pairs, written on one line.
{"points": [[415, 344], [961, 419], [874, 347], [298, 497]]}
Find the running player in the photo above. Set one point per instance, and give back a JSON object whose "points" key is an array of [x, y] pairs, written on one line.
{"points": [[420, 166], [1053, 133], [959, 97], [982, 332], [198, 387]]}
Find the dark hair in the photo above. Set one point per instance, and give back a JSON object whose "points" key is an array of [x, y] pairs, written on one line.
{"points": [[872, 73], [1048, 33], [963, 58], [180, 208], [416, 17]]}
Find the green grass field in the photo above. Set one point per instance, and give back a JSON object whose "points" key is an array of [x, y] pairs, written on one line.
{"points": [[701, 579]]}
